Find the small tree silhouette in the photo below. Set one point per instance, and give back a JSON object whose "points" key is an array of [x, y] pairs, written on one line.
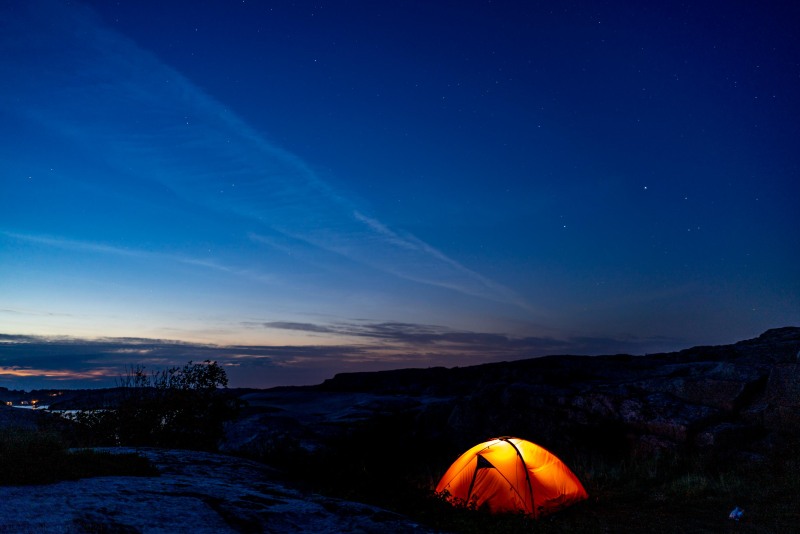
{"points": [[180, 407]]}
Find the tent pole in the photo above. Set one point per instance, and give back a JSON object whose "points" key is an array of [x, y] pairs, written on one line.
{"points": [[527, 474]]}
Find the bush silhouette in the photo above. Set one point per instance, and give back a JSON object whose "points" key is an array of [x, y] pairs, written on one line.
{"points": [[181, 407]]}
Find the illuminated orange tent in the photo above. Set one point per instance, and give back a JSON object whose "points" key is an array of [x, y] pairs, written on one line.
{"points": [[511, 475]]}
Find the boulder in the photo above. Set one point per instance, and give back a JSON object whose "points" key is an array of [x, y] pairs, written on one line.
{"points": [[723, 385], [782, 399]]}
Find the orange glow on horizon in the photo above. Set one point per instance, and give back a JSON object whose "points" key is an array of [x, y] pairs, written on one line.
{"points": [[55, 374]]}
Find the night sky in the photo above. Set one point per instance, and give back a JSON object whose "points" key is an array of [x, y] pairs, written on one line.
{"points": [[300, 189]]}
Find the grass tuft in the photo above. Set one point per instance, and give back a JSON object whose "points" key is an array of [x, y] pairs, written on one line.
{"points": [[30, 457]]}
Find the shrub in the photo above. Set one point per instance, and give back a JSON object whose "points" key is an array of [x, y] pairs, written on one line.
{"points": [[181, 407]]}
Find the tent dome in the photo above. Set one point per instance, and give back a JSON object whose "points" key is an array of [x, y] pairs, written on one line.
{"points": [[511, 475]]}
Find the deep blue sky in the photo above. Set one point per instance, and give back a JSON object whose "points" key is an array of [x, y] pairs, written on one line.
{"points": [[299, 190]]}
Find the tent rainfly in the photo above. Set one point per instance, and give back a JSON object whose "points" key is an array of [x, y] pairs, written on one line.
{"points": [[511, 475]]}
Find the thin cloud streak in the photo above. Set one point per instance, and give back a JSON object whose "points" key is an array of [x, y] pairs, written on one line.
{"points": [[35, 313], [53, 374], [99, 248], [479, 286], [421, 338]]}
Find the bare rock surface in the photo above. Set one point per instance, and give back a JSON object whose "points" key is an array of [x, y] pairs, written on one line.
{"points": [[196, 492]]}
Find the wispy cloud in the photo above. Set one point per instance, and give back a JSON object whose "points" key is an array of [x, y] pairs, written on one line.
{"points": [[100, 248], [149, 122], [72, 244], [422, 338], [35, 313], [301, 327], [54, 374]]}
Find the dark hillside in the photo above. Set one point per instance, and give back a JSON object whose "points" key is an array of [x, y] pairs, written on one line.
{"points": [[700, 426]]}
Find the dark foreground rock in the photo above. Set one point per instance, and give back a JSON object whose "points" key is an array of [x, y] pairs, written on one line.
{"points": [[196, 492]]}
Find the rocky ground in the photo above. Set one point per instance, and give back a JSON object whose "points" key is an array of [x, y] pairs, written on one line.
{"points": [[196, 492]]}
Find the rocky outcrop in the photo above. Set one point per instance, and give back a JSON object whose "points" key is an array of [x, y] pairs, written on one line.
{"points": [[195, 493], [780, 403]]}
